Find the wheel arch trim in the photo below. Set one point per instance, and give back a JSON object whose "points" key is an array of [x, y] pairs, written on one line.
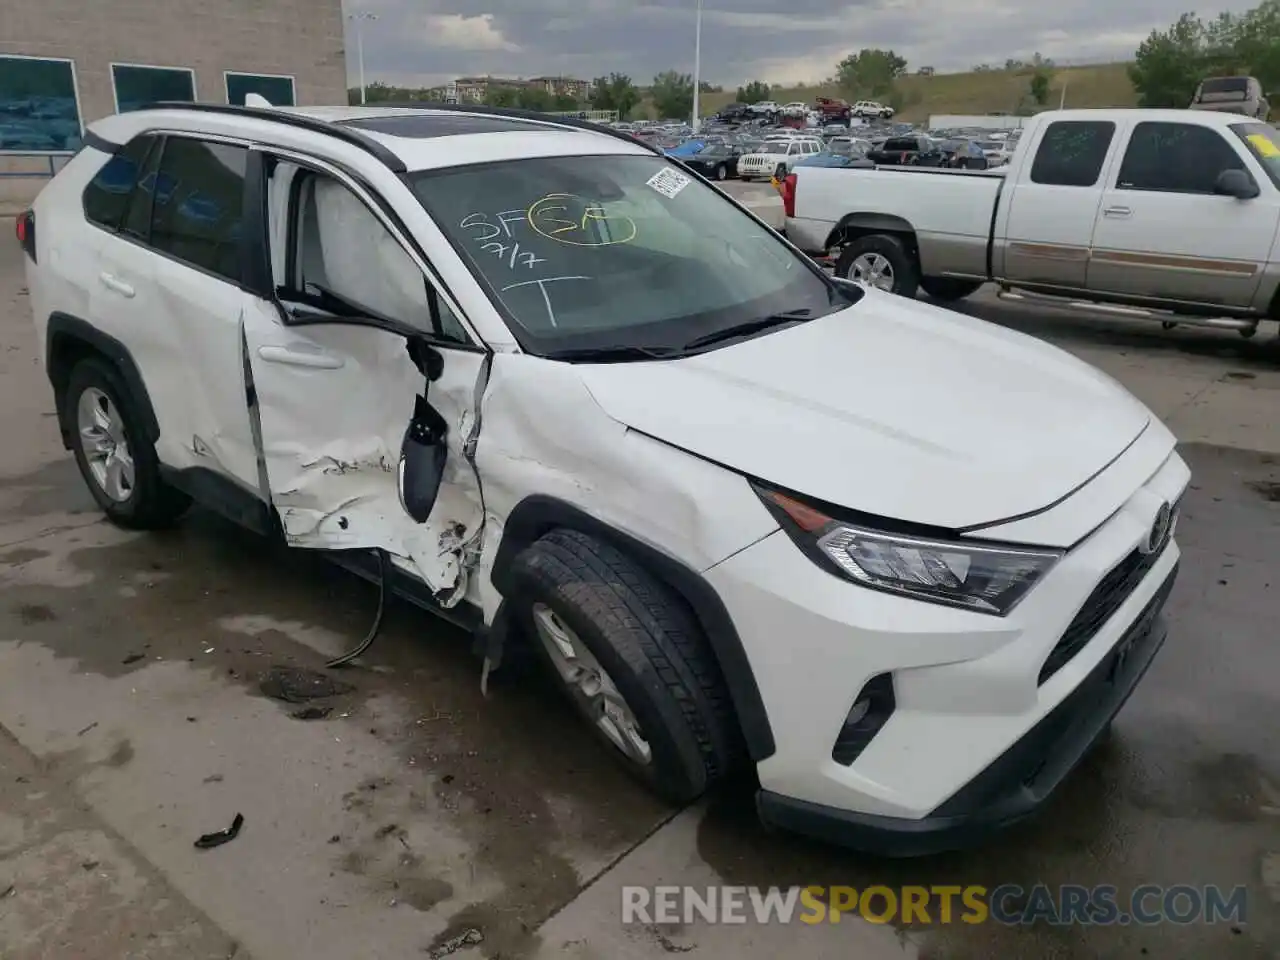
{"points": [[63, 334], [538, 514]]}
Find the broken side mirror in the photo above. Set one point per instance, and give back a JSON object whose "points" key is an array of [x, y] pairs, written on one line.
{"points": [[1236, 183], [424, 450], [423, 454]]}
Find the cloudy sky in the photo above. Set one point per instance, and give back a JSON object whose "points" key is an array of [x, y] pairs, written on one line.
{"points": [[430, 41]]}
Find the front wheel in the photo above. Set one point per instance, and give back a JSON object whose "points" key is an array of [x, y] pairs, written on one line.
{"points": [[722, 172], [881, 261], [781, 171], [948, 288], [632, 658]]}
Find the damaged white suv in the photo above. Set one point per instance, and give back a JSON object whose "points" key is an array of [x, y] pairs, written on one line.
{"points": [[905, 564]]}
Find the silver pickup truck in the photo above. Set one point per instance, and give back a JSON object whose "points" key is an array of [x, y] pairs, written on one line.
{"points": [[1171, 215]]}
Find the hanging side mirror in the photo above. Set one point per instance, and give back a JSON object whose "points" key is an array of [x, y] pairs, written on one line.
{"points": [[1236, 183], [423, 454]]}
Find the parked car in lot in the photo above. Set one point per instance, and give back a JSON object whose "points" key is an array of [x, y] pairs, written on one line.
{"points": [[774, 157], [1242, 95], [765, 108], [1166, 214], [872, 110], [962, 155], [581, 401], [915, 150], [716, 161]]}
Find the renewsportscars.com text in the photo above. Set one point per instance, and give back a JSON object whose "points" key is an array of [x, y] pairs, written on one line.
{"points": [[1009, 904]]}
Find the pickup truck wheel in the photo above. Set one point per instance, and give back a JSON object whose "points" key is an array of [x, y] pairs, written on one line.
{"points": [[881, 261], [948, 288], [630, 655]]}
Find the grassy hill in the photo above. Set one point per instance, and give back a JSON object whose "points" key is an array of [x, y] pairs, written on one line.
{"points": [[1100, 85]]}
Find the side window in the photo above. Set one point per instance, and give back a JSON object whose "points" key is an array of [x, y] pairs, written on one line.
{"points": [[1176, 158], [197, 205], [106, 198], [1072, 153], [342, 252]]}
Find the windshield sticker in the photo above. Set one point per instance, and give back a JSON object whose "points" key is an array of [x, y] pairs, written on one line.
{"points": [[565, 218], [669, 182], [1265, 146]]}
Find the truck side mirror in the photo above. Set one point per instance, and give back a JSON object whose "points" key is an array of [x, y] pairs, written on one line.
{"points": [[1235, 183]]}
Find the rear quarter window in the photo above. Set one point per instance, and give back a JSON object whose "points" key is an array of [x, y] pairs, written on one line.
{"points": [[107, 196], [1072, 152]]}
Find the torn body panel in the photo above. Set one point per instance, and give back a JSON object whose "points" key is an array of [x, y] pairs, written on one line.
{"points": [[333, 403], [543, 433]]}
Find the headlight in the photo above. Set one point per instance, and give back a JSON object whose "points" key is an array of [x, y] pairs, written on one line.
{"points": [[985, 578]]}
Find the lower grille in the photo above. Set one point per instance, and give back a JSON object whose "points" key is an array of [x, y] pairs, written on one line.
{"points": [[1107, 596]]}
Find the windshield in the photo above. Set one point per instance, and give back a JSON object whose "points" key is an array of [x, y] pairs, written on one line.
{"points": [[1264, 143], [603, 252], [1233, 88]]}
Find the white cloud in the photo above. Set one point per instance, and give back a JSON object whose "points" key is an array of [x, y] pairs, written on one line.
{"points": [[459, 32]]}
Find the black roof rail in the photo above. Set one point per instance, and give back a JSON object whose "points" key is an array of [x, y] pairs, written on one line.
{"points": [[512, 113], [347, 134]]}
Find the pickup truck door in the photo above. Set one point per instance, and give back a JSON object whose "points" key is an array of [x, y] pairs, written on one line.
{"points": [[1163, 232], [1047, 222]]}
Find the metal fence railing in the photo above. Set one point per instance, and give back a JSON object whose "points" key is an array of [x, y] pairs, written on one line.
{"points": [[31, 166]]}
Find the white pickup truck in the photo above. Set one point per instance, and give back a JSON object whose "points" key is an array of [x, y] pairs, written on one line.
{"points": [[1172, 215]]}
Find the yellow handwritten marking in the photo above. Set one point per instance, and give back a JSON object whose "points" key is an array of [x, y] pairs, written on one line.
{"points": [[592, 212], [1265, 146]]}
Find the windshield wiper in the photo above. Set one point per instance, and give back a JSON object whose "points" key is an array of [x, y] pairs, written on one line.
{"points": [[750, 326], [618, 352]]}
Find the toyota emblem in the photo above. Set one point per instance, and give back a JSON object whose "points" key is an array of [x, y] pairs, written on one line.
{"points": [[1161, 528]]}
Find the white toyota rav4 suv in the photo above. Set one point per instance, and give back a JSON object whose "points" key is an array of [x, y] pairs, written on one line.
{"points": [[548, 383]]}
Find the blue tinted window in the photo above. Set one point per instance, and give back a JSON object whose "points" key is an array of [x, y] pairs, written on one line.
{"points": [[108, 195], [137, 87], [38, 110], [199, 204], [277, 90]]}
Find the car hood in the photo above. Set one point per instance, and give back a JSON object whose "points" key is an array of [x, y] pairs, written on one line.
{"points": [[890, 407]]}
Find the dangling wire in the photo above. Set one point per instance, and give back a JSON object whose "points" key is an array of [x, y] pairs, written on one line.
{"points": [[372, 635]]}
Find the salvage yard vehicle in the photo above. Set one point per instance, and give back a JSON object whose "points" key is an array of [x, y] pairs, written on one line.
{"points": [[1241, 95], [532, 375], [776, 156], [1172, 215]]}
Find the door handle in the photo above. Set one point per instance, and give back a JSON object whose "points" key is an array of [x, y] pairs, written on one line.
{"points": [[300, 357], [1116, 212], [116, 284]]}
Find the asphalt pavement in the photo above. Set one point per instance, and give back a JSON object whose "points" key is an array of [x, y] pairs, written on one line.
{"points": [[419, 818]]}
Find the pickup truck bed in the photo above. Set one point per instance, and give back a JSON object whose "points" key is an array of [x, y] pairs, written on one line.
{"points": [[1171, 214]]}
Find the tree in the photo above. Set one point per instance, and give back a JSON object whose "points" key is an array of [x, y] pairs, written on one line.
{"points": [[615, 92], [754, 92], [498, 95], [869, 73], [565, 102], [672, 95], [534, 98], [1040, 86], [1169, 64]]}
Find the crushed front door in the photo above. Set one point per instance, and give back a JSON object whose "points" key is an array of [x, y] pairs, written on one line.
{"points": [[334, 401]]}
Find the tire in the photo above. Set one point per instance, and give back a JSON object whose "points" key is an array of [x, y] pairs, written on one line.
{"points": [[948, 289], [146, 502], [905, 270], [650, 647], [780, 171], [722, 172]]}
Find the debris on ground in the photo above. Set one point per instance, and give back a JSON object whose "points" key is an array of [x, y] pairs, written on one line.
{"points": [[211, 840], [384, 832], [133, 658], [8, 891], [312, 713], [299, 685], [82, 732], [468, 938]]}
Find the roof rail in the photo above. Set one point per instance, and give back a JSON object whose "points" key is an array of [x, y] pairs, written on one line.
{"points": [[347, 134], [514, 114]]}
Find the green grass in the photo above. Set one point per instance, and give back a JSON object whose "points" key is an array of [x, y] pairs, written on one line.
{"points": [[1099, 85]]}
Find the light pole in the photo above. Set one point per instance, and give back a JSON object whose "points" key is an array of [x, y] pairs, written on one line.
{"points": [[356, 19], [697, 66]]}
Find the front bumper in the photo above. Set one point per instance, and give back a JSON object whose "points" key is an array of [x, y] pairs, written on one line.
{"points": [[1017, 783], [984, 715]]}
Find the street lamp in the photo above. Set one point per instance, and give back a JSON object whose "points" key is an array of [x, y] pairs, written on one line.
{"points": [[356, 19], [697, 66]]}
